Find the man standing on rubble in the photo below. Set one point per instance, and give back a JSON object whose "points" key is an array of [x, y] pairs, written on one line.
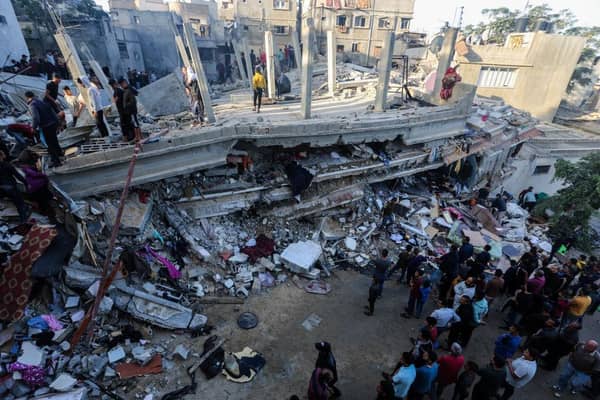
{"points": [[258, 85], [388, 213], [381, 266], [130, 110], [76, 103], [51, 94], [95, 105], [118, 100], [44, 118]]}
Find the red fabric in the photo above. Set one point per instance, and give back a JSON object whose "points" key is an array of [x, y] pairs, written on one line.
{"points": [[449, 366], [24, 129], [451, 77], [15, 282], [129, 370], [264, 248]]}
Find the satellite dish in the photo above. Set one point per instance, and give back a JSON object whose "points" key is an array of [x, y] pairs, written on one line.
{"points": [[436, 44]]}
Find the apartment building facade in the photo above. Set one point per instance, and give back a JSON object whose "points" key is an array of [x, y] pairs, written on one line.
{"points": [[360, 25]]}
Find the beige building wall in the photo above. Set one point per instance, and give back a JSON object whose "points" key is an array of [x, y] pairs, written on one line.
{"points": [[255, 17], [361, 25], [530, 72]]}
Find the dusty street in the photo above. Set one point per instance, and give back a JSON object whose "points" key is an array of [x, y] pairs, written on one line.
{"points": [[364, 346]]}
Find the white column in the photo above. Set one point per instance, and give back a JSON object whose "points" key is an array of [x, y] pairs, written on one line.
{"points": [[270, 52], [385, 66], [306, 92], [331, 62], [190, 37]]}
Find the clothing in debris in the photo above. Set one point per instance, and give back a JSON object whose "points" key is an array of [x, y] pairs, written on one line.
{"points": [[300, 178]]}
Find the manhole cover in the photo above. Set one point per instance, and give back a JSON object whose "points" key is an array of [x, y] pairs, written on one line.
{"points": [[247, 320]]}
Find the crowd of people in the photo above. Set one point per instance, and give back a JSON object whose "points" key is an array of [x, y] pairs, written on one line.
{"points": [[543, 305], [49, 64]]}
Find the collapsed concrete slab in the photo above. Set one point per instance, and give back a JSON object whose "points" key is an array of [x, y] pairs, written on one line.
{"points": [[154, 310], [153, 97], [300, 257], [135, 215]]}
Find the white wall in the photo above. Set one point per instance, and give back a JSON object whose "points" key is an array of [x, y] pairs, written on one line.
{"points": [[11, 37], [523, 176]]}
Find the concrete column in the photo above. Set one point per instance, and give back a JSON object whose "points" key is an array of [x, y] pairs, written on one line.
{"points": [[331, 62], [246, 50], [238, 60], [306, 91], [74, 64], [446, 55], [384, 67], [270, 52], [182, 51], [199, 69], [296, 44]]}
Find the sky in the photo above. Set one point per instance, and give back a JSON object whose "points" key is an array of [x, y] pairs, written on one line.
{"points": [[431, 14]]}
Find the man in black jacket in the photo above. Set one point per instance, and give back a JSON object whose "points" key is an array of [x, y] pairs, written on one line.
{"points": [[327, 360], [44, 118], [129, 109], [118, 100]]}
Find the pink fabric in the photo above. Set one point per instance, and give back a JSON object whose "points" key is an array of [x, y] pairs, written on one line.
{"points": [[52, 322], [174, 273], [32, 375]]}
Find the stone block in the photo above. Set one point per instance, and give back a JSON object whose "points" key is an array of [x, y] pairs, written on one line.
{"points": [[301, 256]]}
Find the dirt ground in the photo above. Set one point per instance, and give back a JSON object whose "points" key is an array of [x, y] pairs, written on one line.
{"points": [[364, 346]]}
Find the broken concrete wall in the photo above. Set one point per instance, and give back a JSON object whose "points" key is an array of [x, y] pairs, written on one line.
{"points": [[157, 104]]}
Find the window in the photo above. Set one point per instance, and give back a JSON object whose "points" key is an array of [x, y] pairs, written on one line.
{"points": [[384, 23], [340, 20], [377, 51], [340, 48], [3, 20], [493, 77], [405, 23], [245, 27], [114, 15], [541, 170], [224, 5], [355, 47], [136, 20], [360, 21], [281, 30], [281, 5], [123, 50]]}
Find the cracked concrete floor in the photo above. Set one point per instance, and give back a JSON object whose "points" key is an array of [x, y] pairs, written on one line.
{"points": [[364, 346]]}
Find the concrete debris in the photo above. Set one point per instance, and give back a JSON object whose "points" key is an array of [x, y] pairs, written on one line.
{"points": [[155, 310], [31, 355], [182, 351], [63, 383], [116, 354], [300, 257], [136, 215]]}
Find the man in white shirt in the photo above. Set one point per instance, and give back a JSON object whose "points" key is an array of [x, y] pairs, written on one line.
{"points": [[95, 105], [519, 373], [464, 288], [75, 103], [445, 316]]}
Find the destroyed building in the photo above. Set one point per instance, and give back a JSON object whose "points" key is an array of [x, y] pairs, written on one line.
{"points": [[530, 65], [14, 45], [150, 234]]}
